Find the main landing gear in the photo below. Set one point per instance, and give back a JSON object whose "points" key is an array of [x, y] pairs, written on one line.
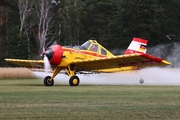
{"points": [[73, 81]]}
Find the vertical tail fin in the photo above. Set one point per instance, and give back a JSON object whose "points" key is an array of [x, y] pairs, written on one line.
{"points": [[138, 45]]}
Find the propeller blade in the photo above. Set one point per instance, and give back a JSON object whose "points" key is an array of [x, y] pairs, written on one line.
{"points": [[47, 65]]}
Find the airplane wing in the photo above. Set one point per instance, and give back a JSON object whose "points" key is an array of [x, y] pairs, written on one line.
{"points": [[120, 63], [106, 64], [27, 63]]}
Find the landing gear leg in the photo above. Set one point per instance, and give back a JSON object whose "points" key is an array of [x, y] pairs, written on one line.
{"points": [[48, 80], [74, 80]]}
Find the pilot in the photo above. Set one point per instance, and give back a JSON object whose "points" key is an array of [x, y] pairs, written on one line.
{"points": [[93, 48]]}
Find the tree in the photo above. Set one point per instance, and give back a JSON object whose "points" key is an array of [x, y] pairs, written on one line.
{"points": [[69, 18], [149, 19], [10, 33], [25, 9], [45, 20], [98, 16]]}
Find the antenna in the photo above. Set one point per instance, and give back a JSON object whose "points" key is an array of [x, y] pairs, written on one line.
{"points": [[169, 37]]}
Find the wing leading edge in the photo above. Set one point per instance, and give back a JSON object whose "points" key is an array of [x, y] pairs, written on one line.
{"points": [[27, 63], [106, 64], [120, 63]]}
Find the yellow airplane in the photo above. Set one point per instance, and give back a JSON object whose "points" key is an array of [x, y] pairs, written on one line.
{"points": [[92, 57]]}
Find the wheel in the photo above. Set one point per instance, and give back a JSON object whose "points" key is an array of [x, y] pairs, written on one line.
{"points": [[74, 81], [47, 82], [141, 81]]}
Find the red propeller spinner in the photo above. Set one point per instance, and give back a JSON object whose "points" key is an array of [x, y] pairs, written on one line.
{"points": [[54, 54]]}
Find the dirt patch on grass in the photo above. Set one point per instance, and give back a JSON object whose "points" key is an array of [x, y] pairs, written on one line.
{"points": [[9, 73]]}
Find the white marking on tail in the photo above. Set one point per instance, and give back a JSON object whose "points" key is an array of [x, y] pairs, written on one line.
{"points": [[138, 45]]}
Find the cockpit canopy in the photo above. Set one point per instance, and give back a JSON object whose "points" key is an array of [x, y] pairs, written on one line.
{"points": [[93, 45]]}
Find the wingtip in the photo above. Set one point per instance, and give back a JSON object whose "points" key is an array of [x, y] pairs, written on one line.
{"points": [[6, 59], [166, 62]]}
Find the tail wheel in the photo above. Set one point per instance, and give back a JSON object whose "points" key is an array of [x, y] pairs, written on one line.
{"points": [[74, 81], [141, 81], [47, 82]]}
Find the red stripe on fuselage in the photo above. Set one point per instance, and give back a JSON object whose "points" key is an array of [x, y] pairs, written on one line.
{"points": [[84, 52]]}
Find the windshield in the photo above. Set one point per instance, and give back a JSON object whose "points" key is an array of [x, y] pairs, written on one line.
{"points": [[86, 45]]}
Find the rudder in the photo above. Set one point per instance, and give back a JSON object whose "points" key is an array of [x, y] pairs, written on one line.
{"points": [[138, 45]]}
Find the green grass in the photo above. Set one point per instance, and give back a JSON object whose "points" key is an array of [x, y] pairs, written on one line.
{"points": [[29, 99]]}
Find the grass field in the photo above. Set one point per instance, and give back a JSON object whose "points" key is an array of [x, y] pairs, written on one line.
{"points": [[29, 99]]}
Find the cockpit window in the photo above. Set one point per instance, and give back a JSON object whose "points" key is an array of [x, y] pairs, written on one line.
{"points": [[103, 51], [94, 48], [86, 45]]}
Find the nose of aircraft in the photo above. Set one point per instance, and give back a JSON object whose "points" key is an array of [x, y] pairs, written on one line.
{"points": [[54, 54], [49, 53]]}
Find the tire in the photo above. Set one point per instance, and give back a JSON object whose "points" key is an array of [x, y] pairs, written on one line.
{"points": [[141, 81], [74, 81], [46, 81]]}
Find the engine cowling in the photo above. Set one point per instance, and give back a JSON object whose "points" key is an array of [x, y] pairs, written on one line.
{"points": [[54, 54]]}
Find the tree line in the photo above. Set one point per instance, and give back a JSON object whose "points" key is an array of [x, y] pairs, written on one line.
{"points": [[30, 26]]}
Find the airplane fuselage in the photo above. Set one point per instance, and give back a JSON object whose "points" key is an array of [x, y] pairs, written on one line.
{"points": [[92, 57], [72, 54]]}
